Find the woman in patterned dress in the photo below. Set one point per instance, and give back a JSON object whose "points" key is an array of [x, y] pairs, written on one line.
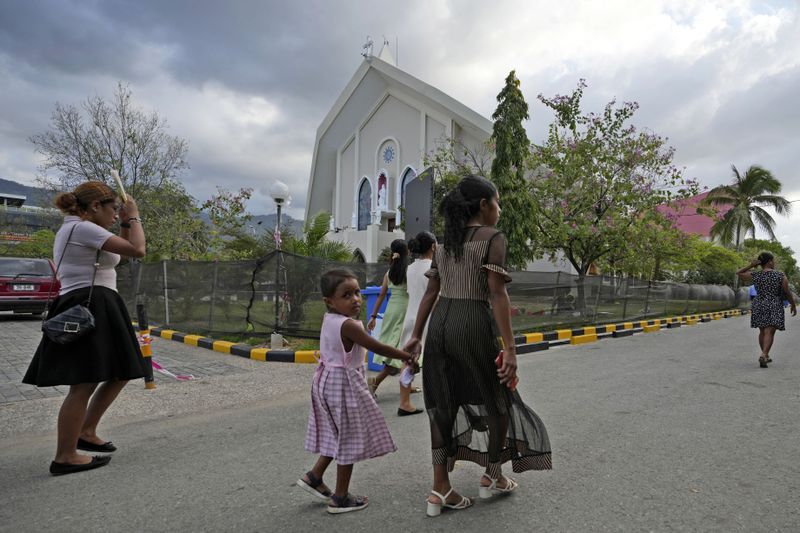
{"points": [[766, 314], [474, 412], [344, 423], [392, 323]]}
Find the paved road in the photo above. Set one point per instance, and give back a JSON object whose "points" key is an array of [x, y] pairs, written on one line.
{"points": [[672, 431]]}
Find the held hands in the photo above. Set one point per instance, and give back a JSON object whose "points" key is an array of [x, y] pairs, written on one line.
{"points": [[414, 347], [128, 209]]}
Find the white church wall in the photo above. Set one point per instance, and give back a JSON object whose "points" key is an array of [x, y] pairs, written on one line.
{"points": [[393, 120], [435, 134], [358, 106], [346, 188]]}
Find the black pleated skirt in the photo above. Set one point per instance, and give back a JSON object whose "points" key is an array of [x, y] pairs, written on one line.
{"points": [[465, 399], [110, 352]]}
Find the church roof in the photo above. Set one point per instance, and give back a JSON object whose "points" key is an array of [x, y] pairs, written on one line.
{"points": [[466, 117]]}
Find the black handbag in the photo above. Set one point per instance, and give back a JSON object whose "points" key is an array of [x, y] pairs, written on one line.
{"points": [[75, 322]]}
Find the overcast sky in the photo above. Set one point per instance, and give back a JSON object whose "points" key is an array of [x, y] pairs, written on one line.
{"points": [[247, 83]]}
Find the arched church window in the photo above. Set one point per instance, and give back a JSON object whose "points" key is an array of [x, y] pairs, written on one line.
{"points": [[407, 178], [364, 205]]}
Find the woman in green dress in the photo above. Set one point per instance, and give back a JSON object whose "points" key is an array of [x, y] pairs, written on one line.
{"points": [[392, 324]]}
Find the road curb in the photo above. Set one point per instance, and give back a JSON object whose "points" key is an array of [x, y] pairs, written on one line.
{"points": [[526, 342]]}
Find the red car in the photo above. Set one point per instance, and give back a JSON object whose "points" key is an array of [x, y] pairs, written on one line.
{"points": [[25, 283]]}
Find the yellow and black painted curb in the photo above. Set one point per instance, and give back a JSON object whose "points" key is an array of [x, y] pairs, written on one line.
{"points": [[526, 343]]}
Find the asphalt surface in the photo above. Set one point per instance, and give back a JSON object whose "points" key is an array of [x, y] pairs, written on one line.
{"points": [[677, 430]]}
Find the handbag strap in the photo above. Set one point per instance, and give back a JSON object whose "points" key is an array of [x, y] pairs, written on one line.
{"points": [[94, 275], [58, 266]]}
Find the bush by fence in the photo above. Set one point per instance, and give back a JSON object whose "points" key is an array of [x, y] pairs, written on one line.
{"points": [[280, 292]]}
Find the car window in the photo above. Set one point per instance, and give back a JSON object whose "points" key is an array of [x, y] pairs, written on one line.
{"points": [[14, 266]]}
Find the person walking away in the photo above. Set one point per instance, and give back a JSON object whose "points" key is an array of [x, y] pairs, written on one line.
{"points": [[344, 424], [474, 414], [423, 246], [97, 366], [392, 324], [767, 314]]}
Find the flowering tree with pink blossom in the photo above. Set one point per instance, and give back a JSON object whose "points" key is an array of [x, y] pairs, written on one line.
{"points": [[595, 180]]}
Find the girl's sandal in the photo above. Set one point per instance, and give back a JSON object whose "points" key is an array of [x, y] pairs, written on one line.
{"points": [[347, 504], [435, 509], [491, 490], [762, 362], [312, 486]]}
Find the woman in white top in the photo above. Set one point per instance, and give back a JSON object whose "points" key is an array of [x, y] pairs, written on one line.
{"points": [[97, 366], [423, 246]]}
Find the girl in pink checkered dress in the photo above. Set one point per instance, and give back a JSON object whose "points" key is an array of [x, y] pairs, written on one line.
{"points": [[344, 424]]}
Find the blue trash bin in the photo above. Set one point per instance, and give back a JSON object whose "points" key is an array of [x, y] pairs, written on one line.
{"points": [[371, 294]]}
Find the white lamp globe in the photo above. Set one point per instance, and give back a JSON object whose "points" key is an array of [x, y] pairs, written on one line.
{"points": [[279, 192]]}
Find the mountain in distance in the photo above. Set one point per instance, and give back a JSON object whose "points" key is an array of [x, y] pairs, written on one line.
{"points": [[35, 196], [41, 197]]}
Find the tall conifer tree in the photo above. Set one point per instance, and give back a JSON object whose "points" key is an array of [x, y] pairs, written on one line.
{"points": [[512, 148]]}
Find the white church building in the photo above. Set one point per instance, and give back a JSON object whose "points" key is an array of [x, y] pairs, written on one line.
{"points": [[373, 142]]}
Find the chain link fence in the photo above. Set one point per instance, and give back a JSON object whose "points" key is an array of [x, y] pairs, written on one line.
{"points": [[280, 292]]}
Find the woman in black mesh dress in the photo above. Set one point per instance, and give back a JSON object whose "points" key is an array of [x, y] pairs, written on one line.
{"points": [[474, 415]]}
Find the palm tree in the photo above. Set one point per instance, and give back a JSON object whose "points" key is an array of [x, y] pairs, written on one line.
{"points": [[747, 196]]}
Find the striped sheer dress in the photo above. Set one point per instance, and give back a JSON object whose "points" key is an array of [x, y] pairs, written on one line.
{"points": [[472, 415]]}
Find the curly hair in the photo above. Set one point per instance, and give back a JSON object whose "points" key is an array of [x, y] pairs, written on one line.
{"points": [[79, 200], [398, 262], [459, 206]]}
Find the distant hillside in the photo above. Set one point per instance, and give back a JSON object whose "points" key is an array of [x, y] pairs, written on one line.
{"points": [[40, 197], [36, 196]]}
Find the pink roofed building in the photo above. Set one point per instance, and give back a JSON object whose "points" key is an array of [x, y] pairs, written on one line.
{"points": [[686, 218]]}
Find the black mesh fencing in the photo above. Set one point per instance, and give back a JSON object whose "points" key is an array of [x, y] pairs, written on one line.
{"points": [[280, 292]]}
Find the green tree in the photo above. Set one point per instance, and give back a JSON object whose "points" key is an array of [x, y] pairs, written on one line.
{"points": [[512, 149], [449, 162], [714, 264], [747, 196], [228, 215], [301, 281], [654, 251], [595, 179], [174, 229]]}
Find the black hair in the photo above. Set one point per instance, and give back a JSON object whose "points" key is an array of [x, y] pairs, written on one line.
{"points": [[459, 206], [422, 243], [765, 257], [331, 279], [399, 264]]}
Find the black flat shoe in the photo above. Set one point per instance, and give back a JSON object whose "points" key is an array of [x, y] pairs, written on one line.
{"points": [[59, 469], [403, 412], [106, 447]]}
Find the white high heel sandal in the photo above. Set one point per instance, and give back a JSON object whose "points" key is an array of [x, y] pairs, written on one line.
{"points": [[491, 490], [435, 509]]}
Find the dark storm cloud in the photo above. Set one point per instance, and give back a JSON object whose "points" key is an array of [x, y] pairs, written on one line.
{"points": [[65, 38]]}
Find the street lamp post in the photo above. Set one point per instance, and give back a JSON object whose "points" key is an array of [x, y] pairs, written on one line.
{"points": [[280, 194]]}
